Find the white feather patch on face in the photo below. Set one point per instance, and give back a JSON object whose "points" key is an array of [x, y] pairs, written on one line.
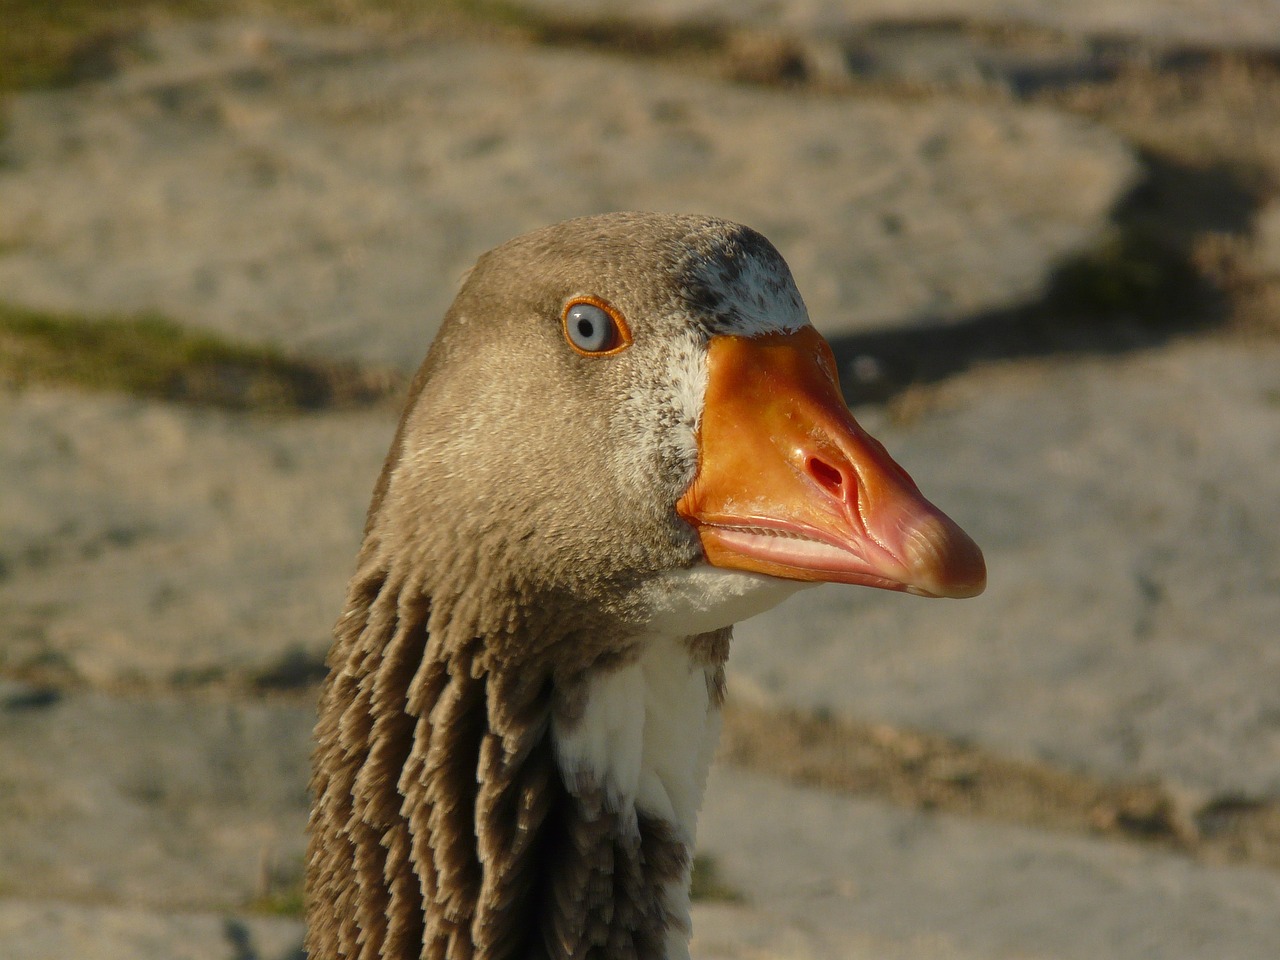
{"points": [[663, 453], [646, 736], [752, 296]]}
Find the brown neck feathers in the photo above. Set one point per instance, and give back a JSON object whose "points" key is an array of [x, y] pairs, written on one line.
{"points": [[442, 827]]}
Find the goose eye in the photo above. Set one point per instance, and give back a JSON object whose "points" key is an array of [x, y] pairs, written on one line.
{"points": [[594, 328]]}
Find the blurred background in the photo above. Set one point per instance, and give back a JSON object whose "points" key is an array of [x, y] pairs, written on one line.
{"points": [[1044, 241]]}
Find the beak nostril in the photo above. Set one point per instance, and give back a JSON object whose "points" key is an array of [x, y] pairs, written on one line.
{"points": [[827, 476]]}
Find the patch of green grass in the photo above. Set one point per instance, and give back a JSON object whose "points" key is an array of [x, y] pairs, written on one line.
{"points": [[56, 42], [1131, 273], [286, 902], [151, 356], [498, 12], [624, 36], [708, 886], [195, 677], [49, 43], [46, 43], [297, 669]]}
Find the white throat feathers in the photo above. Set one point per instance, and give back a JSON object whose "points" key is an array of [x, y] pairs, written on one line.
{"points": [[645, 738]]}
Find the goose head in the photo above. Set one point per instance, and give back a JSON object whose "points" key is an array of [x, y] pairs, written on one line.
{"points": [[626, 437]]}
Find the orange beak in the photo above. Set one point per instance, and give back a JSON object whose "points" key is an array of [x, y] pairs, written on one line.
{"points": [[789, 485]]}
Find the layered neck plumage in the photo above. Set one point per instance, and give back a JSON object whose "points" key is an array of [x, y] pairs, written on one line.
{"points": [[483, 793]]}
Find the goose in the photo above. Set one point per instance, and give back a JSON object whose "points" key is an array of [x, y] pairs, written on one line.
{"points": [[625, 438]]}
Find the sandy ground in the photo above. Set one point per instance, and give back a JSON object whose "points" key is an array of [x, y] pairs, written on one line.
{"points": [[1083, 763]]}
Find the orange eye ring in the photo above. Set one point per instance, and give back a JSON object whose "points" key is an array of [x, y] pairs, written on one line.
{"points": [[594, 328]]}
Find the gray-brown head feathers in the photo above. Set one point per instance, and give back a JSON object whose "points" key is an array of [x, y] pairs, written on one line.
{"points": [[517, 458]]}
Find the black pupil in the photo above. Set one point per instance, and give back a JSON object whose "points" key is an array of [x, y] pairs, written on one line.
{"points": [[586, 328]]}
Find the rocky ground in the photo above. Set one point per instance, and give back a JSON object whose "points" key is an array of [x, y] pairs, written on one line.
{"points": [[1045, 243]]}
